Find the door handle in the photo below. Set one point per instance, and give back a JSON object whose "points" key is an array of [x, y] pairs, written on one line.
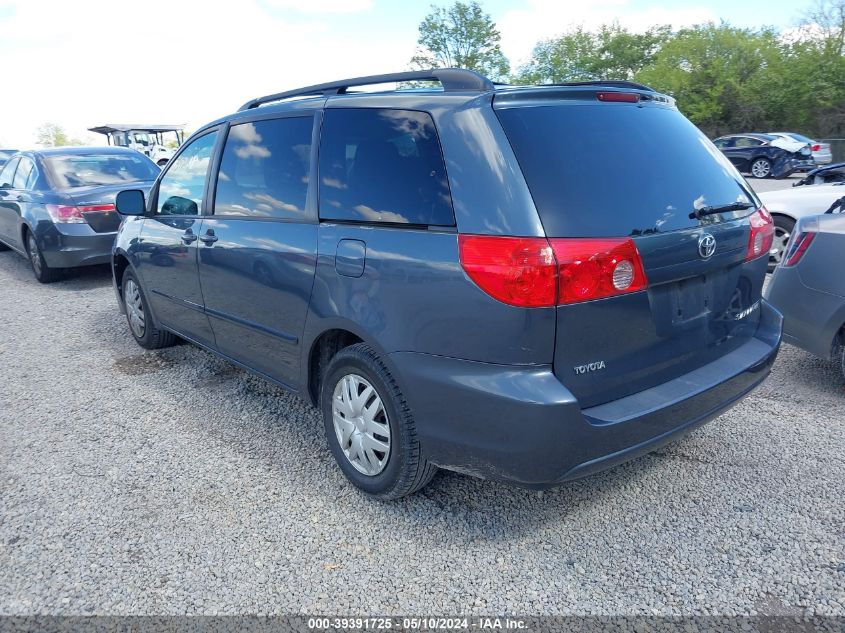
{"points": [[209, 238], [188, 237]]}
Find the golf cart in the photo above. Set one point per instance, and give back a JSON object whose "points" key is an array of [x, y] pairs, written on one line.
{"points": [[147, 139]]}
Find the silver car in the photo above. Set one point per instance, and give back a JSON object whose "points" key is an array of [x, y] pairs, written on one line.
{"points": [[822, 153], [808, 286]]}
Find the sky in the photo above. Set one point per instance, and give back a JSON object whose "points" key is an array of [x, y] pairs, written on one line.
{"points": [[82, 63]]}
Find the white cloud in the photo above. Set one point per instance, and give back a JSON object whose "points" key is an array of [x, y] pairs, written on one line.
{"points": [[323, 6], [522, 28], [92, 62]]}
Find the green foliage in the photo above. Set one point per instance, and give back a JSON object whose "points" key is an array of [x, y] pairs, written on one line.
{"points": [[460, 36], [580, 55], [725, 79], [52, 135]]}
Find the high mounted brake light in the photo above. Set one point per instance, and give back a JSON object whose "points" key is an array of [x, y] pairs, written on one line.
{"points": [[533, 272], [618, 97]]}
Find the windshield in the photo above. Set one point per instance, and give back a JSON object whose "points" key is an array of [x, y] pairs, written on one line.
{"points": [[606, 170], [80, 170], [6, 154]]}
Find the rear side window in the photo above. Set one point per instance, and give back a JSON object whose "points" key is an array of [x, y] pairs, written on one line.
{"points": [[610, 170], [7, 174], [23, 174], [264, 169], [383, 165]]}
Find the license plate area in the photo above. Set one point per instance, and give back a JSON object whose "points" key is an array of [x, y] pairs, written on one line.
{"points": [[690, 299]]}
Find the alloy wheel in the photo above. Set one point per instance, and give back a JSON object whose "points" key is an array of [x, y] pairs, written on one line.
{"points": [[361, 425], [761, 168], [134, 308], [779, 245]]}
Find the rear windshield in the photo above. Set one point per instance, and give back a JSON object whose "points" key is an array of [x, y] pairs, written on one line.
{"points": [[615, 170], [80, 170]]}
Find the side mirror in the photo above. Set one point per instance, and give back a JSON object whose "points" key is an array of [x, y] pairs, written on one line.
{"points": [[131, 202]]}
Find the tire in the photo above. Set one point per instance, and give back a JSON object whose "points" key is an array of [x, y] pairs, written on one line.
{"points": [[145, 332], [761, 168], [43, 273], [783, 230], [403, 468], [842, 359]]}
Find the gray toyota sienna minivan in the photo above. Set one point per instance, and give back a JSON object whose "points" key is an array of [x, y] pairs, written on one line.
{"points": [[521, 283]]}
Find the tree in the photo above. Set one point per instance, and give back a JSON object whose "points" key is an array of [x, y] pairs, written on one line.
{"points": [[52, 135], [612, 52], [722, 76], [460, 36]]}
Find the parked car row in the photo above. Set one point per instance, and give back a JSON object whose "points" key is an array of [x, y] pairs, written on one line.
{"points": [[766, 155], [451, 285]]}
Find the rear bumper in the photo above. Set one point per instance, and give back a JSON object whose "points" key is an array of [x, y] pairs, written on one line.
{"points": [[72, 245], [823, 158], [522, 425]]}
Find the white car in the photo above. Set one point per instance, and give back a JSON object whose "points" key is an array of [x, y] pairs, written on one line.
{"points": [[788, 205], [822, 153]]}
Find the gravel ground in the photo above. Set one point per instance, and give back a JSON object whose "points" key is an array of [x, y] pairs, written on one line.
{"points": [[170, 482]]}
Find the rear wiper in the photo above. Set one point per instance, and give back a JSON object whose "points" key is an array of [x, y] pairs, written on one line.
{"points": [[722, 208]]}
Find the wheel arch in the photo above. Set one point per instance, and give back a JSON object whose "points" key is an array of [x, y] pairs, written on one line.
{"points": [[120, 262], [321, 346]]}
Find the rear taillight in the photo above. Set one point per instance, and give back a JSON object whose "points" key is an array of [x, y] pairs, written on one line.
{"points": [[69, 214], [816, 147], [618, 97], [797, 247], [65, 214], [519, 271], [597, 268], [762, 234], [94, 208], [533, 272]]}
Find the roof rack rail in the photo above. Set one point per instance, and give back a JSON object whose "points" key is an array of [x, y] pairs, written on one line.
{"points": [[452, 79], [612, 83]]}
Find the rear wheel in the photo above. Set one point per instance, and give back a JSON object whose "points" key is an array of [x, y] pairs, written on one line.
{"points": [[783, 230], [842, 359], [369, 426], [140, 319], [761, 168], [40, 269]]}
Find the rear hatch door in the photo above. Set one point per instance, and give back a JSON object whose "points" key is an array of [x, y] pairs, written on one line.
{"points": [[639, 170]]}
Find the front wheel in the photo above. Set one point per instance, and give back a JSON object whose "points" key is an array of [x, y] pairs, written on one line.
{"points": [[761, 168], [783, 231], [138, 315], [369, 426]]}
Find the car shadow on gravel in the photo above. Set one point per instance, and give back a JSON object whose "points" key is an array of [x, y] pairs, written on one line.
{"points": [[74, 279], [84, 278]]}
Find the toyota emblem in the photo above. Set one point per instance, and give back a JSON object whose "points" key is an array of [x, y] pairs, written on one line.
{"points": [[706, 245]]}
